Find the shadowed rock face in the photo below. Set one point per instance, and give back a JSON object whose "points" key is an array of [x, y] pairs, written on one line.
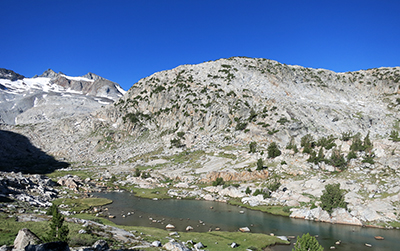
{"points": [[18, 154], [51, 246]]}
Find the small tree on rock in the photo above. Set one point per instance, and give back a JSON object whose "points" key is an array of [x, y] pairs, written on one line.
{"points": [[307, 243], [260, 164], [337, 159], [273, 150], [332, 197], [253, 146], [218, 181]]}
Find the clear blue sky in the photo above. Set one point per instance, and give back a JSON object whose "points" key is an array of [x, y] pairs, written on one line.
{"points": [[126, 40]]}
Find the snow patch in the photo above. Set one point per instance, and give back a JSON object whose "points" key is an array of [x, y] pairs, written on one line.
{"points": [[120, 89], [78, 78], [100, 101]]}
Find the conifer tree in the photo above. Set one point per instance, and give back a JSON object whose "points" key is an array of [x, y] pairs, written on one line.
{"points": [[273, 150], [260, 164], [307, 243], [332, 197], [58, 231]]}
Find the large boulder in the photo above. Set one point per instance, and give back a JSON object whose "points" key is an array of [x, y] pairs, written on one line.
{"points": [[342, 216], [175, 246], [100, 245], [24, 238], [237, 176], [72, 182]]}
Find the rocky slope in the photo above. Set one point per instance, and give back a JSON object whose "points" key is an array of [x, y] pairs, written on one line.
{"points": [[195, 120]]}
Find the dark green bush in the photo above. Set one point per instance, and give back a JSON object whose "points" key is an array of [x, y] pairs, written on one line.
{"points": [[308, 143], [292, 146], [332, 197], [394, 136], [264, 193], [273, 150], [58, 231], [274, 185], [307, 243], [180, 134], [369, 158], [248, 190], [218, 181], [346, 136], [327, 143], [260, 164], [351, 155], [359, 145], [337, 159], [240, 126], [176, 143], [253, 146]]}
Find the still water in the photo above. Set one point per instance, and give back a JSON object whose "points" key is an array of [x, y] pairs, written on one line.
{"points": [[205, 215]]}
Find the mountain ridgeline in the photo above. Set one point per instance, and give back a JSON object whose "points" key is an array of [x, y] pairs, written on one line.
{"points": [[220, 103], [259, 99]]}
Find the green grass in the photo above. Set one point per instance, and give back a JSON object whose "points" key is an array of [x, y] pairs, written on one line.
{"points": [[216, 240], [158, 192], [9, 228], [212, 240], [227, 155], [82, 203], [83, 174], [186, 156], [275, 210]]}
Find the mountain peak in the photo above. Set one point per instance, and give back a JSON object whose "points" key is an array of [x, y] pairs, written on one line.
{"points": [[92, 76], [10, 75], [49, 73]]}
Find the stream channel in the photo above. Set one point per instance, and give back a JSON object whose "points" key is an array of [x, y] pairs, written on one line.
{"points": [[205, 215]]}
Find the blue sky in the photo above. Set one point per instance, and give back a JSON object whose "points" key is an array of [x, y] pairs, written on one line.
{"points": [[126, 40]]}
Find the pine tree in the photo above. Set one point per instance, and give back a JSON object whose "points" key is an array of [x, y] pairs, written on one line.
{"points": [[252, 147], [367, 144], [58, 231], [337, 159], [332, 197], [307, 243], [273, 150]]}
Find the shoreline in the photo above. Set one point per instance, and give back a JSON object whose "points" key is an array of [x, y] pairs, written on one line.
{"points": [[239, 204]]}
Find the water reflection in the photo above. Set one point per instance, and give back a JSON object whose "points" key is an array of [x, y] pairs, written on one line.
{"points": [[206, 215]]}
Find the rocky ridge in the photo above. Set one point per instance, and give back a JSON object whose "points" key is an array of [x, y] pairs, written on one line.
{"points": [[187, 122]]}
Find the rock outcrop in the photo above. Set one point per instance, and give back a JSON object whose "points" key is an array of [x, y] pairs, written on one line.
{"points": [[25, 238], [36, 190], [238, 176], [10, 75]]}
